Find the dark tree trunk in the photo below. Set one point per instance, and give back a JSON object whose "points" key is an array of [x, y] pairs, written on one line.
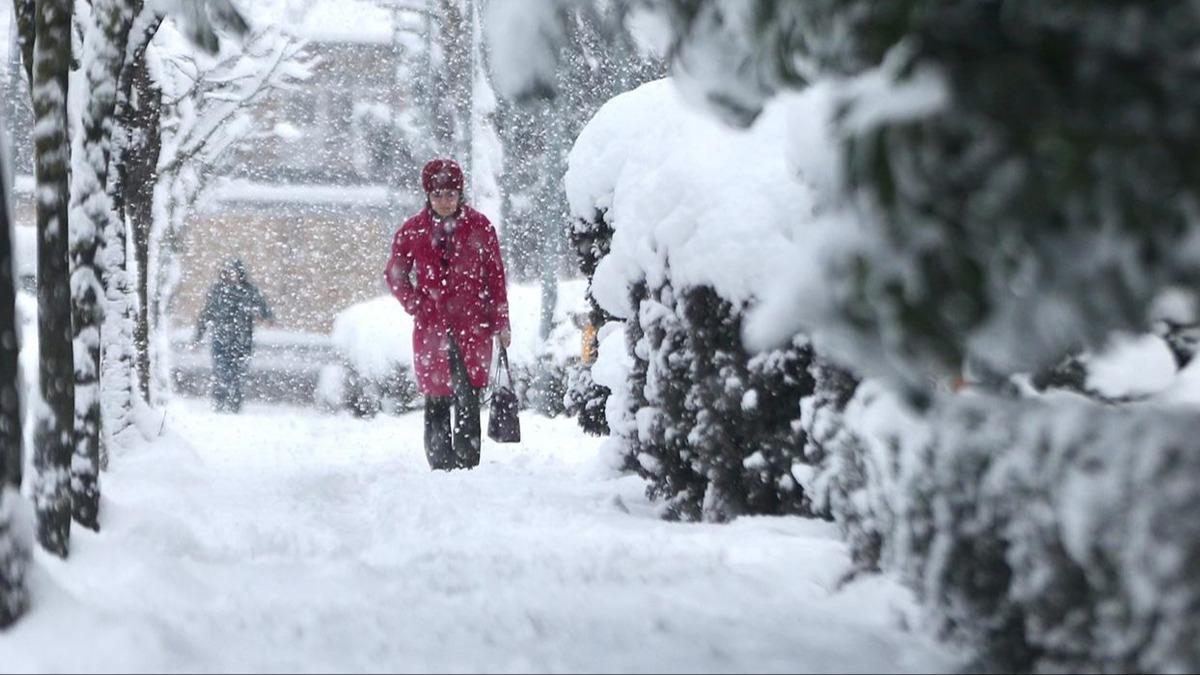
{"points": [[139, 171], [106, 43], [14, 552], [119, 347], [24, 11], [53, 422]]}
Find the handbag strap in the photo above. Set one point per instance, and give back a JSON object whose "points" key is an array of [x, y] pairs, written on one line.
{"points": [[507, 369]]}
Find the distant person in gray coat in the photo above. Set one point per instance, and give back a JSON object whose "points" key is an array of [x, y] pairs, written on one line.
{"points": [[233, 304]]}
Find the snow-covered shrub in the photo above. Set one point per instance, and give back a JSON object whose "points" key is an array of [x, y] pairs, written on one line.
{"points": [[587, 399], [330, 392], [717, 431], [664, 449], [1042, 531], [868, 451], [836, 454], [541, 368], [746, 436], [1048, 538], [625, 377], [1058, 538], [1002, 185], [950, 542], [374, 339], [679, 252]]}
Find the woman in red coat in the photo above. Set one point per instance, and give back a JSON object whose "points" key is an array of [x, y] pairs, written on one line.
{"points": [[447, 272]]}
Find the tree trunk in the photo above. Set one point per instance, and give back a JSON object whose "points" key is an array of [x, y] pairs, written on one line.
{"points": [[116, 367], [553, 220], [140, 176], [52, 423], [104, 52], [119, 348], [164, 260], [117, 377], [16, 102], [14, 548], [24, 12]]}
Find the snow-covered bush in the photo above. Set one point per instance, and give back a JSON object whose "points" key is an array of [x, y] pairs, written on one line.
{"points": [[664, 419], [1000, 186], [1048, 533], [1058, 538], [374, 339], [838, 472], [1045, 532], [330, 393], [746, 437], [685, 221], [554, 357], [586, 398], [624, 376]]}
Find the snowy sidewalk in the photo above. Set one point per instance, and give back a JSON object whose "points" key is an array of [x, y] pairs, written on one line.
{"points": [[291, 541]]}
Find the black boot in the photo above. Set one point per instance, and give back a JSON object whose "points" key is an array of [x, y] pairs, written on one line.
{"points": [[467, 428], [439, 448]]}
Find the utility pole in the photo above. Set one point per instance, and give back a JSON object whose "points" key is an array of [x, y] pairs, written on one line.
{"points": [[395, 179], [427, 64], [411, 84], [468, 135]]}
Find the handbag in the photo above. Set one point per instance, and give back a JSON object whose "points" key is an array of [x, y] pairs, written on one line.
{"points": [[504, 424]]}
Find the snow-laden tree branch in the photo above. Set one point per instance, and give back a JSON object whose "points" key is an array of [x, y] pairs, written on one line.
{"points": [[201, 21], [209, 115], [208, 105]]}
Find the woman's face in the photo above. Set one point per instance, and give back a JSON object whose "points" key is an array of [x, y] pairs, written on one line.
{"points": [[444, 202]]}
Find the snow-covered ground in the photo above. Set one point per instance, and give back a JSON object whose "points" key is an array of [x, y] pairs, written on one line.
{"points": [[282, 540]]}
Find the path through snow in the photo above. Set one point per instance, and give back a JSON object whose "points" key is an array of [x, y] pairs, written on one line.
{"points": [[284, 540]]}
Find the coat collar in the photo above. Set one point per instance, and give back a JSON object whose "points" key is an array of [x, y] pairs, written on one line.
{"points": [[467, 217]]}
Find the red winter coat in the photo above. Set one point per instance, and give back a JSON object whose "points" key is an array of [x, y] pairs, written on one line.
{"points": [[463, 295]]}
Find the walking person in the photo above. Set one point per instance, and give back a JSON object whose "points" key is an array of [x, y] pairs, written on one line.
{"points": [[446, 270], [234, 302]]}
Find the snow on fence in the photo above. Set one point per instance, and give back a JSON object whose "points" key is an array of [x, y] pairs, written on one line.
{"points": [[365, 363], [369, 368], [284, 367]]}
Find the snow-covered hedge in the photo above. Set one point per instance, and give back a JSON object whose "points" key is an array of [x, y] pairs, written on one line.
{"points": [[1049, 533], [1061, 538], [374, 338], [702, 220], [586, 398], [1046, 530]]}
